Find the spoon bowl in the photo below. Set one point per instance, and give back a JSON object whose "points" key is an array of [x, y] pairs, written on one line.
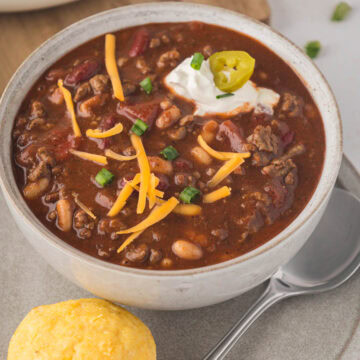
{"points": [[332, 254], [329, 258]]}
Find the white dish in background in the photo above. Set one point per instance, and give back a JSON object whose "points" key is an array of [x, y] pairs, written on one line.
{"points": [[28, 5], [175, 289]]}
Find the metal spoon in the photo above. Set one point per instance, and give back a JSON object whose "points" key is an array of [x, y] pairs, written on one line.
{"points": [[329, 258]]}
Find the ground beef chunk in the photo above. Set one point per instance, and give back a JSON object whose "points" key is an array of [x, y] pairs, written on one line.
{"points": [[154, 42], [184, 179], [168, 58], [294, 151], [99, 83], [129, 88], [52, 197], [155, 256], [292, 105], [291, 178], [266, 144], [252, 222], [35, 123], [81, 220], [41, 170], [139, 253], [279, 168], [37, 110], [82, 91], [261, 158], [46, 156], [220, 233], [142, 66], [264, 139]]}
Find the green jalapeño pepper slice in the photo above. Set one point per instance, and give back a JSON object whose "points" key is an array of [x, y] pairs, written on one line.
{"points": [[231, 69]]}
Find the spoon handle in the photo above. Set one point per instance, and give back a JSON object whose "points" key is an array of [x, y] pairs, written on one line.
{"points": [[273, 293]]}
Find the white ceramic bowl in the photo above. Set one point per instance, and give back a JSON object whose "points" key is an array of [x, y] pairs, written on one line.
{"points": [[180, 289]]}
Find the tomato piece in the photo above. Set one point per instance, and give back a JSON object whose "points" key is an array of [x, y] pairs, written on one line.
{"points": [[231, 69]]}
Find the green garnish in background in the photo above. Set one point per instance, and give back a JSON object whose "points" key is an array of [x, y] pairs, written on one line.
{"points": [[313, 48], [341, 11]]}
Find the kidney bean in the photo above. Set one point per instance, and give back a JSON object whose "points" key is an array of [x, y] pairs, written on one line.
{"points": [[147, 112], [82, 72], [140, 43]]}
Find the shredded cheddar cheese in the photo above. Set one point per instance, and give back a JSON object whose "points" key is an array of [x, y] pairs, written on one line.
{"points": [[158, 193], [113, 155], [87, 156], [144, 172], [187, 209], [217, 194], [83, 206], [226, 170], [156, 215], [125, 193], [152, 188], [218, 154], [70, 107], [111, 67], [129, 240], [117, 129]]}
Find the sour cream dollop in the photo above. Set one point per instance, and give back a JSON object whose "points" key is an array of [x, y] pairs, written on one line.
{"points": [[199, 87]]}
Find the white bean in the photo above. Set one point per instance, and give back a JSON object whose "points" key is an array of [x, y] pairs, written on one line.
{"points": [[201, 155], [64, 211], [168, 117], [209, 130], [34, 189], [158, 165], [186, 250]]}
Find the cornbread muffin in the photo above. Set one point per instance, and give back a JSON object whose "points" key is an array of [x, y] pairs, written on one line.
{"points": [[85, 329]]}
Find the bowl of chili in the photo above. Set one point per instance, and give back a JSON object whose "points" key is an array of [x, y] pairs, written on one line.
{"points": [[266, 171]]}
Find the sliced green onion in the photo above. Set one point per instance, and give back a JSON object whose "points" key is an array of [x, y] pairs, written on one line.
{"points": [[224, 95], [146, 85], [341, 11], [313, 48], [189, 194], [197, 60], [169, 153], [104, 177], [139, 127]]}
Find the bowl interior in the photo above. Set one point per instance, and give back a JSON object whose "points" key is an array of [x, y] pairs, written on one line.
{"points": [[123, 17]]}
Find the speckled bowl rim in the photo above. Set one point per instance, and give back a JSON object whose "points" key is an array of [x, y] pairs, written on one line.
{"points": [[326, 182]]}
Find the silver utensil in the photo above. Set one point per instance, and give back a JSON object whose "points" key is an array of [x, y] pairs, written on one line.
{"points": [[329, 258]]}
